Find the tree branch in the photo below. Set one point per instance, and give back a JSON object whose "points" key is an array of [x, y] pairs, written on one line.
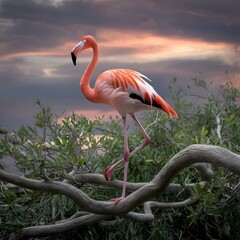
{"points": [[82, 218], [204, 171], [190, 155], [99, 210], [49, 230]]}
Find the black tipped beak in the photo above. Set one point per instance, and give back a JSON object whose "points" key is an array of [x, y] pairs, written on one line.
{"points": [[73, 58]]}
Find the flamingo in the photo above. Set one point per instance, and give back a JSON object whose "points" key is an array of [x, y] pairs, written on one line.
{"points": [[127, 91]]}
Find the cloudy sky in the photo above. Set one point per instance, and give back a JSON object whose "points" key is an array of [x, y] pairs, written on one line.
{"points": [[161, 39]]}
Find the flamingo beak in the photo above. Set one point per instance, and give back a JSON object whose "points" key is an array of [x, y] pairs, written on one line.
{"points": [[74, 58], [76, 50]]}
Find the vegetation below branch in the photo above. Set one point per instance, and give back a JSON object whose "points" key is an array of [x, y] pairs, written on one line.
{"points": [[184, 185]]}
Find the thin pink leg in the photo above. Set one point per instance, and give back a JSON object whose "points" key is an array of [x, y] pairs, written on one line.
{"points": [[125, 158], [147, 139], [108, 171]]}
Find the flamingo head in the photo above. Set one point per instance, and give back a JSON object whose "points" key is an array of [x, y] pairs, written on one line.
{"points": [[85, 43]]}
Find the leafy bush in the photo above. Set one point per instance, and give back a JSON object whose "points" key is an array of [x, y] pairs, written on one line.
{"points": [[54, 151]]}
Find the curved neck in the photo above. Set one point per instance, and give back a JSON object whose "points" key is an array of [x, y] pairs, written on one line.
{"points": [[88, 92]]}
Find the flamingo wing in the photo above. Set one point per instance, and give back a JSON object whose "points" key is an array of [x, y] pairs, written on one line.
{"points": [[136, 89]]}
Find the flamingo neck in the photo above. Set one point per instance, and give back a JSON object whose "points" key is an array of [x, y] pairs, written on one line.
{"points": [[88, 92]]}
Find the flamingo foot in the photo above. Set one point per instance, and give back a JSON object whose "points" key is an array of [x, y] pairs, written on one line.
{"points": [[116, 200], [109, 169], [108, 172]]}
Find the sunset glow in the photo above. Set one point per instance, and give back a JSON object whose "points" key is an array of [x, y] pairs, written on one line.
{"points": [[160, 39], [150, 48]]}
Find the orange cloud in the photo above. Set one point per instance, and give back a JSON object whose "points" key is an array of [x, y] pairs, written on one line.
{"points": [[136, 47], [148, 47]]}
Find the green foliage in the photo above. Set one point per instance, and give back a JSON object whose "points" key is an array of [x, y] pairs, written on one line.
{"points": [[52, 148]]}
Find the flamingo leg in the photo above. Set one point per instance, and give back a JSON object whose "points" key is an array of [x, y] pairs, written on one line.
{"points": [[108, 171], [147, 139], [125, 159]]}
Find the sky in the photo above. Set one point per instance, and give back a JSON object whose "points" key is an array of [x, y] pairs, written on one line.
{"points": [[161, 39]]}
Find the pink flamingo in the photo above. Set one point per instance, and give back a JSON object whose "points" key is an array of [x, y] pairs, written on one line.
{"points": [[125, 90]]}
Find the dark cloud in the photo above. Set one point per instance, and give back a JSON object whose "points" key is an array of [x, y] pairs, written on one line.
{"points": [[30, 25]]}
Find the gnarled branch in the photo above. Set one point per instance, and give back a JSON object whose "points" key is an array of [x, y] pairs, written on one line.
{"points": [[144, 192]]}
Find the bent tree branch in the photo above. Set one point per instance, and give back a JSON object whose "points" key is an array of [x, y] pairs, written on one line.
{"points": [[194, 155]]}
